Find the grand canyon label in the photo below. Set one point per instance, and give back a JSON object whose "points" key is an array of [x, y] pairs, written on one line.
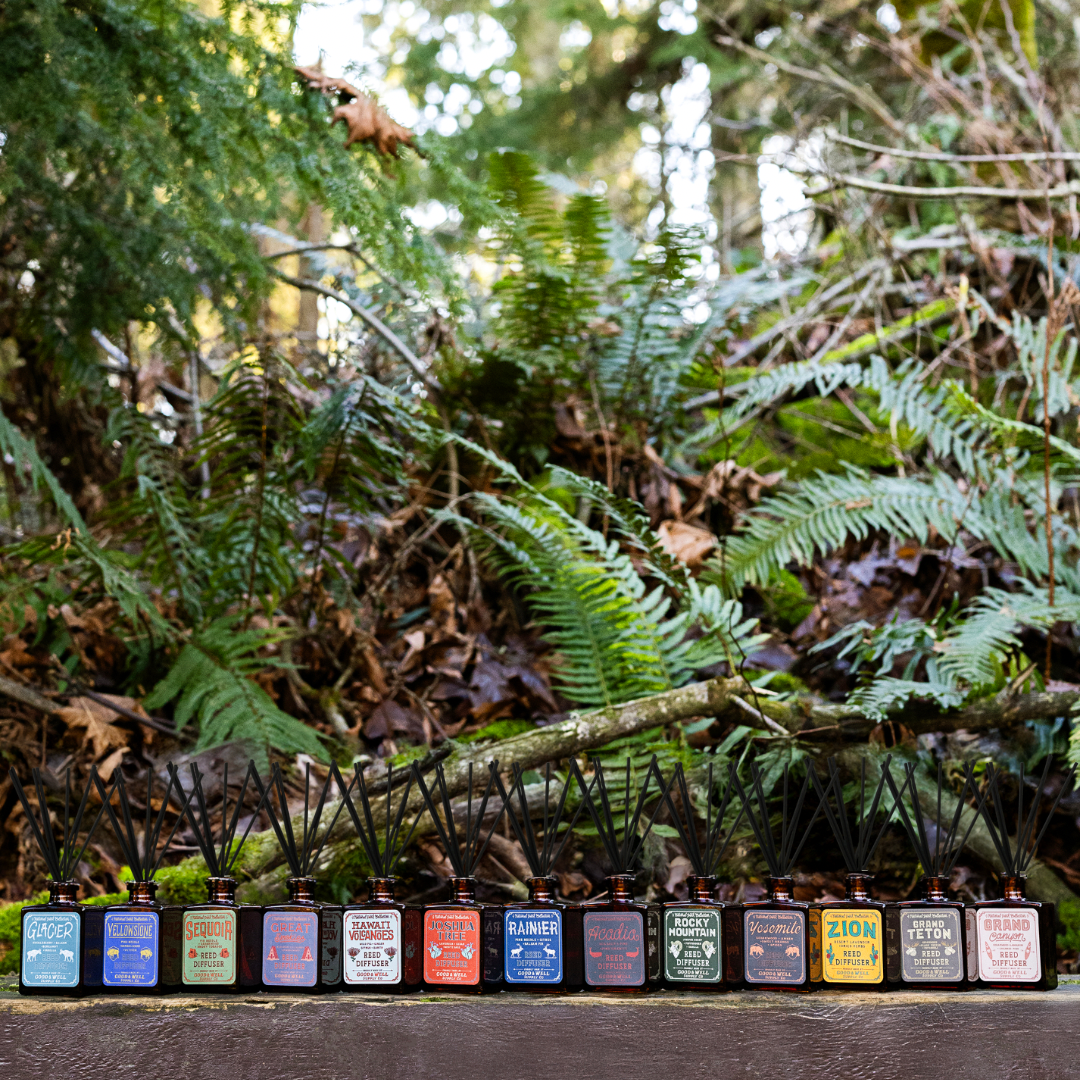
{"points": [[774, 947], [692, 945], [290, 948], [50, 949], [930, 945], [614, 948], [209, 947], [1008, 944], [452, 947], [131, 948], [372, 947], [852, 941], [533, 943], [331, 947]]}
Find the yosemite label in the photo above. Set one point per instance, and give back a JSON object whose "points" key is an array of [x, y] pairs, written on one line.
{"points": [[372, 947], [50, 948], [131, 948], [452, 947], [290, 948], [1008, 945], [209, 947], [930, 946], [852, 942], [614, 948], [692, 945], [774, 947], [533, 945], [331, 947]]}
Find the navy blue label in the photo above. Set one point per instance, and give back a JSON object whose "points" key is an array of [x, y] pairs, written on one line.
{"points": [[534, 946], [50, 943], [131, 948], [93, 945]]}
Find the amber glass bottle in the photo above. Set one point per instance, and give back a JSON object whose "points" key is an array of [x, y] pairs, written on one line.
{"points": [[931, 939], [172, 948], [212, 939], [776, 939], [852, 939], [542, 941], [694, 936], [54, 944], [132, 942], [383, 942], [732, 920], [458, 940], [615, 931], [1017, 946], [291, 938], [331, 952]]}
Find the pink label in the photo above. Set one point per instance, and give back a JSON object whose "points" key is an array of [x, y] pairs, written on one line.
{"points": [[1008, 945], [372, 947]]}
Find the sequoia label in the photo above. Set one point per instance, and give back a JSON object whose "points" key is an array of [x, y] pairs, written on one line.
{"points": [[614, 948], [1008, 945], [372, 947], [930, 946], [290, 948], [692, 945], [852, 943], [209, 947], [452, 947], [331, 947], [131, 948], [773, 946], [533, 946], [51, 952]]}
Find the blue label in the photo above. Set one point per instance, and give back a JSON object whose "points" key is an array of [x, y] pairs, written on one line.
{"points": [[131, 948], [534, 946], [50, 948], [93, 945], [290, 948]]}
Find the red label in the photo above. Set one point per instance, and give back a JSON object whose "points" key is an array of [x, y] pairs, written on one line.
{"points": [[452, 947]]}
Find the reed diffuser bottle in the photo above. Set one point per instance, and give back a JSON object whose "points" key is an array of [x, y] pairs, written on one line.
{"points": [[1015, 936], [694, 936], [60, 940], [777, 942], [382, 938], [462, 937]]}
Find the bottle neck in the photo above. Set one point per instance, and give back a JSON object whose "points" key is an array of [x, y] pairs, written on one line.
{"points": [[142, 892], [541, 889], [63, 892], [1012, 886], [935, 887], [463, 890], [221, 890], [858, 886], [702, 886], [621, 887], [380, 890], [301, 890], [779, 888]]}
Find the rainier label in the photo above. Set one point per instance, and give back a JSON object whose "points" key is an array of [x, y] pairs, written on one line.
{"points": [[614, 948], [852, 941], [51, 950], [1008, 944], [372, 947], [533, 944], [930, 945], [331, 947], [692, 945], [209, 947], [290, 948], [452, 947], [172, 946], [131, 948], [773, 946]]}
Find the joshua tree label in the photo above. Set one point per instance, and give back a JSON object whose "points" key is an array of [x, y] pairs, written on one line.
{"points": [[452, 947]]}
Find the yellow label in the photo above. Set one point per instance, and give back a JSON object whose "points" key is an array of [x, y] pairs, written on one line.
{"points": [[853, 944], [815, 945]]}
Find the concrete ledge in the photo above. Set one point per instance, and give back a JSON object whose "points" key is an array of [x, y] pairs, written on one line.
{"points": [[906, 1036]]}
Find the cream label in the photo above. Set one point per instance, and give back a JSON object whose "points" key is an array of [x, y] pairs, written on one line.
{"points": [[372, 947], [1008, 945], [209, 948], [930, 945]]}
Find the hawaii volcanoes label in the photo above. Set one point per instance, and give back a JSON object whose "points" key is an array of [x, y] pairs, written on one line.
{"points": [[50, 954], [209, 947], [534, 945], [774, 947], [452, 947], [1008, 945], [372, 947], [930, 946], [290, 948], [692, 945], [852, 943], [614, 948]]}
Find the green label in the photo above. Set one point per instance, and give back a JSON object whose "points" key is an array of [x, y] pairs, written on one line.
{"points": [[692, 945], [209, 947]]}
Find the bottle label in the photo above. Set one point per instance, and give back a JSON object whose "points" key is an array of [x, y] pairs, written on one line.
{"points": [[1008, 945], [413, 947], [852, 940], [372, 947], [131, 948], [930, 945], [652, 938], [533, 945], [614, 948], [815, 945], [972, 945], [692, 945], [93, 945], [209, 947], [452, 947], [331, 947], [893, 966], [733, 965], [172, 946], [774, 942], [50, 948], [290, 948]]}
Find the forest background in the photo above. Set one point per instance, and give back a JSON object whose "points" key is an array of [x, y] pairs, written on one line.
{"points": [[565, 378]]}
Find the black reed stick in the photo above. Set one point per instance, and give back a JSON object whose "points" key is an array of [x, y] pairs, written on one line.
{"points": [[704, 861], [781, 858], [856, 848]]}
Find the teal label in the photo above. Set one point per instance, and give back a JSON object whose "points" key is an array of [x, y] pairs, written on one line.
{"points": [[50, 949], [692, 945], [131, 948]]}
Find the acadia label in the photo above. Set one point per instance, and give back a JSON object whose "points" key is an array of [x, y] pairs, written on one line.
{"points": [[930, 946], [774, 947], [452, 947], [290, 948], [614, 948], [533, 943], [50, 949], [331, 947], [131, 948], [1008, 945], [852, 940], [209, 947], [372, 947], [692, 945], [172, 946]]}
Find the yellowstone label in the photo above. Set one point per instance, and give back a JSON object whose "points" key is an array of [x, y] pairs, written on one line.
{"points": [[131, 948], [533, 943], [209, 947], [372, 947], [930, 946], [331, 947], [1008, 945], [852, 941], [972, 945], [452, 947], [815, 945], [172, 946], [50, 949], [93, 929], [290, 948], [614, 948], [692, 945], [773, 947]]}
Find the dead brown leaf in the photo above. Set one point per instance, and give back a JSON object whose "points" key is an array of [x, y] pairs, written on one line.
{"points": [[98, 720], [687, 543]]}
